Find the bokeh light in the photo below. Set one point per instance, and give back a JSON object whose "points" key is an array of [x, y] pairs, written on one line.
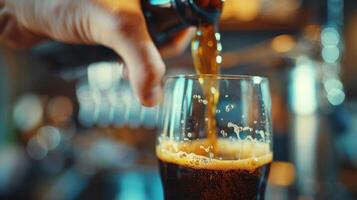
{"points": [[336, 96], [36, 150], [48, 137], [28, 112], [330, 54], [60, 109], [283, 43], [241, 9], [330, 36]]}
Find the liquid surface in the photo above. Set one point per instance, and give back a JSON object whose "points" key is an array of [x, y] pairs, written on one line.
{"points": [[243, 155], [188, 173]]}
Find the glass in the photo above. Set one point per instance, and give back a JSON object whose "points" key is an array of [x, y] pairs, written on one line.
{"points": [[237, 165]]}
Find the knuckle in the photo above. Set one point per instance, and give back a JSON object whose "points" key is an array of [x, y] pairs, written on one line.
{"points": [[150, 77], [130, 22]]}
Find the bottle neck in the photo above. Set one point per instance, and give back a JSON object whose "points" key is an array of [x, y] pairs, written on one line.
{"points": [[196, 12]]}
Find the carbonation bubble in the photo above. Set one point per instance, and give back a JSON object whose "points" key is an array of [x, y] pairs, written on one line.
{"points": [[223, 133], [229, 107], [211, 155], [237, 129], [247, 129], [189, 134]]}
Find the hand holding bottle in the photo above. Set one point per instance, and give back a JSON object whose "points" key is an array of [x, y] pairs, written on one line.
{"points": [[117, 24]]}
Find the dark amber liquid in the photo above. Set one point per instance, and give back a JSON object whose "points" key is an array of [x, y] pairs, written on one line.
{"points": [[206, 50], [185, 183], [186, 172]]}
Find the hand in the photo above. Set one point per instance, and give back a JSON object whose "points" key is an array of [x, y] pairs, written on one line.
{"points": [[117, 24]]}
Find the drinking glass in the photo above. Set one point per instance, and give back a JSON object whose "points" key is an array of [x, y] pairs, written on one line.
{"points": [[229, 161]]}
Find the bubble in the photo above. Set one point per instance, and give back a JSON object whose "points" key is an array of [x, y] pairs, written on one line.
{"points": [[182, 121], [218, 111], [206, 119], [249, 138], [237, 129], [200, 101], [221, 119], [226, 96], [229, 107], [255, 161], [223, 133], [208, 149], [189, 134], [213, 90], [211, 155], [204, 101], [182, 154], [205, 161], [255, 122], [231, 139], [194, 96], [247, 128]]}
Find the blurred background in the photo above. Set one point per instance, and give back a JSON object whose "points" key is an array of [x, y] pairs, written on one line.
{"points": [[77, 132]]}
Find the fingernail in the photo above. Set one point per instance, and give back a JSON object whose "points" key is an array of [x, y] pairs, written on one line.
{"points": [[152, 97]]}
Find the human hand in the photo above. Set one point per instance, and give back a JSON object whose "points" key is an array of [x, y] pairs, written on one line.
{"points": [[117, 24]]}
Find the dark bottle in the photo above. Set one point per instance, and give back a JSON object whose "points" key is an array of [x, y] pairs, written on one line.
{"points": [[164, 19]]}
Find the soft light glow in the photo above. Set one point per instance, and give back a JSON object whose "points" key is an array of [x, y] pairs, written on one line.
{"points": [[241, 9], [104, 75], [60, 109], [218, 36], [48, 137], [283, 43], [282, 173], [304, 142], [219, 59], [35, 150], [303, 91], [330, 54], [336, 96], [28, 112], [333, 84], [330, 36]]}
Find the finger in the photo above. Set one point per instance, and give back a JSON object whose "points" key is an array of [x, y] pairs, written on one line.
{"points": [[144, 63], [125, 72], [178, 44], [13, 35]]}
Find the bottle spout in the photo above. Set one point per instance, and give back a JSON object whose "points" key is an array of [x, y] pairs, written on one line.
{"points": [[210, 5], [209, 11]]}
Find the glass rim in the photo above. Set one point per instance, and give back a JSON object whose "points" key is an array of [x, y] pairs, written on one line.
{"points": [[219, 77]]}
